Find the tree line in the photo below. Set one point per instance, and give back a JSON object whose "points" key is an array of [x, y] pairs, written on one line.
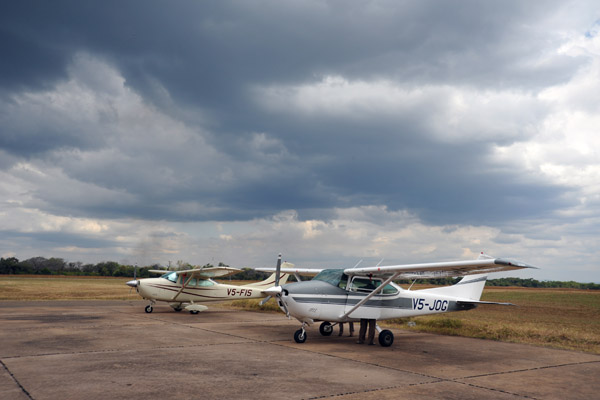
{"points": [[58, 266]]}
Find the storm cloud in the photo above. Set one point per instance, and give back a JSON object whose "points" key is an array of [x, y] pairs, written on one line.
{"points": [[330, 131]]}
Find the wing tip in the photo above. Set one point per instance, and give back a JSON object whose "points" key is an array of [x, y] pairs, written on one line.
{"points": [[513, 263]]}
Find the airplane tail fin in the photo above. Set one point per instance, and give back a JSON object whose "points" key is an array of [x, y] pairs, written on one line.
{"points": [[469, 287], [270, 281]]}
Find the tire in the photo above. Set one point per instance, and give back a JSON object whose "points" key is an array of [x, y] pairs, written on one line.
{"points": [[386, 338], [326, 329], [178, 309], [194, 312], [300, 336], [148, 309]]}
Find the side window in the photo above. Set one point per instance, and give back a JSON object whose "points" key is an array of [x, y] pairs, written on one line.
{"points": [[364, 285], [389, 289], [205, 282]]}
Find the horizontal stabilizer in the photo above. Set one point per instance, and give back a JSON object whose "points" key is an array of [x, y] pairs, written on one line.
{"points": [[483, 302]]}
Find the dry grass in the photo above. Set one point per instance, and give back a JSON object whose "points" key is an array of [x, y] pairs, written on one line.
{"points": [[20, 287], [559, 318]]}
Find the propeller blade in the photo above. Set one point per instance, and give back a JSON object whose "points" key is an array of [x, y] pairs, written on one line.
{"points": [[263, 301], [278, 270], [282, 303]]}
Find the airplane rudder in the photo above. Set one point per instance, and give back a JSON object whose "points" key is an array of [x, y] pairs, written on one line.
{"points": [[471, 286]]}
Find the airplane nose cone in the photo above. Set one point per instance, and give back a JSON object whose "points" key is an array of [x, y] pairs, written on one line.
{"points": [[273, 291], [133, 283]]}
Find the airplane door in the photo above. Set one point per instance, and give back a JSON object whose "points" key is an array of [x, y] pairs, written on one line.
{"points": [[358, 289]]}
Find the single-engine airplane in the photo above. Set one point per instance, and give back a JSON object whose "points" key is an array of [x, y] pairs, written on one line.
{"points": [[185, 289], [347, 295]]}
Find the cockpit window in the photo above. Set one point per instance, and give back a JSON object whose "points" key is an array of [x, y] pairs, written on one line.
{"points": [[331, 276], [336, 277], [172, 276], [366, 285]]}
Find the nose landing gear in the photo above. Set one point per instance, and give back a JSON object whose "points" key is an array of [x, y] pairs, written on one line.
{"points": [[149, 308], [300, 334]]}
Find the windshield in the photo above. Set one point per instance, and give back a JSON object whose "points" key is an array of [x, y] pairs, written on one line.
{"points": [[336, 277], [172, 276]]}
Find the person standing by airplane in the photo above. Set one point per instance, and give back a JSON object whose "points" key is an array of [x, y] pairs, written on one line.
{"points": [[364, 322], [351, 324]]}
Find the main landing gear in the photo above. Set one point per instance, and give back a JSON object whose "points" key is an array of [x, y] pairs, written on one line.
{"points": [[386, 337], [178, 307], [326, 329]]}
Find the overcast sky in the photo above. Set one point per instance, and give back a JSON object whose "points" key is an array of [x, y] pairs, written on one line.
{"points": [[330, 131]]}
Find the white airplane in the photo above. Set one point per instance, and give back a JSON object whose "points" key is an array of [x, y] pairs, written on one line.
{"points": [[185, 289], [348, 295]]}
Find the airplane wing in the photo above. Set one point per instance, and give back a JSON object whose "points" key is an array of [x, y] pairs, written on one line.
{"points": [[159, 271], [203, 273], [483, 265], [210, 272], [299, 271]]}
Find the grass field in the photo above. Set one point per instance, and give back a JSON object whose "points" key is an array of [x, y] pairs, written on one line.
{"points": [[559, 318], [17, 287]]}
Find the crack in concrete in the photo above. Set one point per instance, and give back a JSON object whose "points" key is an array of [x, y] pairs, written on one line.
{"points": [[14, 378]]}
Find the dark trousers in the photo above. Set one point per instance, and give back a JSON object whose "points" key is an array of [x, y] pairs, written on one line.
{"points": [[342, 328], [371, 337], [363, 330]]}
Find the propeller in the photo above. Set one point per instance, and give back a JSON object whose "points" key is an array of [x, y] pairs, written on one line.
{"points": [[134, 283], [276, 290]]}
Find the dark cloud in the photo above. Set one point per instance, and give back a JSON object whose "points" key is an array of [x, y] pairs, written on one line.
{"points": [[47, 239], [200, 64]]}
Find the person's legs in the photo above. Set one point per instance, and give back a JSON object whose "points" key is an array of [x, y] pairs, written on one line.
{"points": [[363, 331], [371, 338]]}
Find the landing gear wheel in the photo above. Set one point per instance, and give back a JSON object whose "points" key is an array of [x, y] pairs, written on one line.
{"points": [[300, 336], [326, 329], [178, 309], [148, 309], [194, 312], [386, 338]]}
